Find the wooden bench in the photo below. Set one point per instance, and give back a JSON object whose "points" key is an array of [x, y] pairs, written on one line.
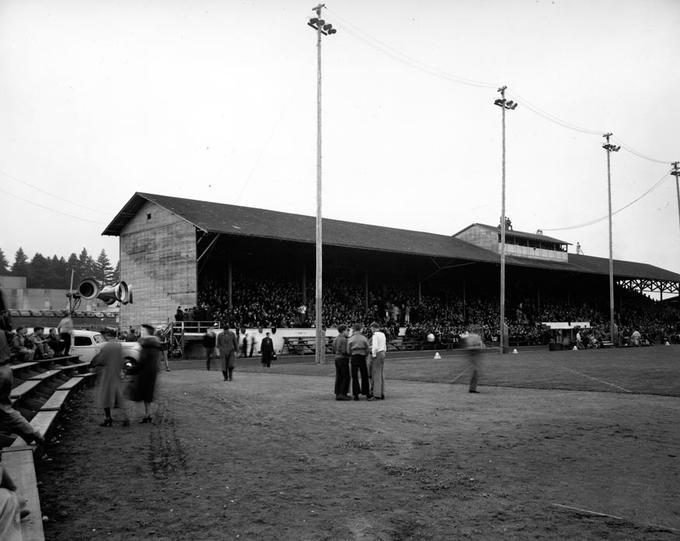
{"points": [[56, 401], [23, 366], [20, 466], [21, 390], [75, 381], [46, 375]]}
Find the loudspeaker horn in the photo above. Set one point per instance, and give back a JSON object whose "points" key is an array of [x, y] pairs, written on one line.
{"points": [[91, 289]]}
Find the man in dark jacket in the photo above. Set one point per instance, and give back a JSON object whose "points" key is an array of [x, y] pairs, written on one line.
{"points": [[341, 364], [358, 348], [228, 346], [267, 351]]}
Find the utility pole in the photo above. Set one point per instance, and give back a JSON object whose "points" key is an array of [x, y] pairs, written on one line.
{"points": [[318, 24], [676, 173], [610, 148], [504, 105]]}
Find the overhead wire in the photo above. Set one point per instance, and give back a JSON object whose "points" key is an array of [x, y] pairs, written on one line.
{"points": [[395, 54], [591, 222], [12, 177], [50, 208]]}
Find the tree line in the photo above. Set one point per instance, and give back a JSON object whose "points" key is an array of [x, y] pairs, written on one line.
{"points": [[55, 272]]}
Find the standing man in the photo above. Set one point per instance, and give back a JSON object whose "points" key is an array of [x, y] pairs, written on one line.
{"points": [[472, 342], [267, 351], [341, 364], [358, 348], [228, 346], [209, 340], [65, 332], [378, 349]]}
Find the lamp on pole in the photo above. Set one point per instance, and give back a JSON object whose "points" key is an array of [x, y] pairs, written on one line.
{"points": [[321, 27], [610, 148], [676, 173], [504, 105]]}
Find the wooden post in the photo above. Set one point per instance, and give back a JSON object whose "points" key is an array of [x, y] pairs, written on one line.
{"points": [[229, 284]]}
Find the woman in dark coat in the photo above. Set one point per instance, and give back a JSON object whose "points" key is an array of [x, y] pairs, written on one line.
{"points": [[147, 369]]}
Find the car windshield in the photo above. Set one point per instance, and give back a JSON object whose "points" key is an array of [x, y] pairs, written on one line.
{"points": [[98, 339]]}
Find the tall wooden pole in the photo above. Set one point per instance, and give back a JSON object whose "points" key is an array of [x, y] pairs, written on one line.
{"points": [[320, 335], [502, 291]]}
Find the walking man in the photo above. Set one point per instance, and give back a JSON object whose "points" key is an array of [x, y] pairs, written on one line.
{"points": [[228, 346], [341, 364], [267, 351], [472, 342], [209, 340], [358, 348], [378, 349]]}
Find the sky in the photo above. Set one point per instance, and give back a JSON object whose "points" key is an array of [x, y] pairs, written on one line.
{"points": [[216, 100]]}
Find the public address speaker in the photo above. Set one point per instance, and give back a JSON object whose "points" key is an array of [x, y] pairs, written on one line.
{"points": [[92, 289]]}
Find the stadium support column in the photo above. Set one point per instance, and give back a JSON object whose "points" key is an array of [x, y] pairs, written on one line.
{"points": [[504, 105], [610, 148], [318, 24], [365, 292], [304, 284], [230, 284]]}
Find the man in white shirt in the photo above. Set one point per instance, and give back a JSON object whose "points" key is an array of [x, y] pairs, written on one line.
{"points": [[378, 349]]}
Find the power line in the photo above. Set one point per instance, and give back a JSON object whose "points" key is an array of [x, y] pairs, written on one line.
{"points": [[4, 173], [421, 66], [51, 209], [630, 149], [397, 55], [591, 222]]}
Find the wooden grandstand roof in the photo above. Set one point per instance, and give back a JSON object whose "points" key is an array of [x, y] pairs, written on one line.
{"points": [[260, 223]]}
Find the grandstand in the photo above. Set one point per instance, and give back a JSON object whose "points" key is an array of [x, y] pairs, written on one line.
{"points": [[248, 266]]}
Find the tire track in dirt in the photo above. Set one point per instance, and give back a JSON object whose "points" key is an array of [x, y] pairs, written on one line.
{"points": [[166, 452]]}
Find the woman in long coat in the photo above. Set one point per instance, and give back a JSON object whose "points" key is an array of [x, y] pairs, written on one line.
{"points": [[110, 392], [145, 385], [228, 346]]}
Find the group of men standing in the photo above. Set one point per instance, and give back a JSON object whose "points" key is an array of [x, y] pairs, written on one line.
{"points": [[225, 346], [352, 352]]}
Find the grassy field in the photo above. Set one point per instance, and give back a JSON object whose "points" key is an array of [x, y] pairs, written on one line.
{"points": [[552, 438]]}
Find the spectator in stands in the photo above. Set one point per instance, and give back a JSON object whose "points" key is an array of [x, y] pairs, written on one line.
{"points": [[228, 348], [378, 349], [132, 336], [635, 338], [55, 343], [12, 508], [179, 315], [40, 347], [358, 349], [21, 347], [341, 353], [267, 351], [65, 331], [209, 340], [145, 385], [108, 364]]}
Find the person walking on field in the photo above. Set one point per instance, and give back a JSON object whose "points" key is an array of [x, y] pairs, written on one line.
{"points": [[209, 340], [109, 363], [228, 346], [267, 351], [472, 342], [358, 348], [378, 350], [145, 385], [341, 364]]}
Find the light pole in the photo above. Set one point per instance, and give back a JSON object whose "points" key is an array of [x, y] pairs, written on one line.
{"points": [[321, 27], [504, 105], [676, 173], [610, 148]]}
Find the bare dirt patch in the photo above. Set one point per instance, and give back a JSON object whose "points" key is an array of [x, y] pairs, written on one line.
{"points": [[271, 455]]}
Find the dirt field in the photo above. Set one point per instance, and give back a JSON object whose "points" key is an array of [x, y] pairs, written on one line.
{"points": [[272, 455]]}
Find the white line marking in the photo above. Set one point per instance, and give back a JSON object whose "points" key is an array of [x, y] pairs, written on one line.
{"points": [[597, 379], [597, 514], [459, 375]]}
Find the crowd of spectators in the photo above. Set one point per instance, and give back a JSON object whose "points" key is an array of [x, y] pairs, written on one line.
{"points": [[277, 302]]}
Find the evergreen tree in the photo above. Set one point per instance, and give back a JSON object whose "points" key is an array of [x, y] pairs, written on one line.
{"points": [[103, 269], [4, 264], [115, 277], [86, 266], [20, 265], [38, 272], [59, 274], [72, 265]]}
